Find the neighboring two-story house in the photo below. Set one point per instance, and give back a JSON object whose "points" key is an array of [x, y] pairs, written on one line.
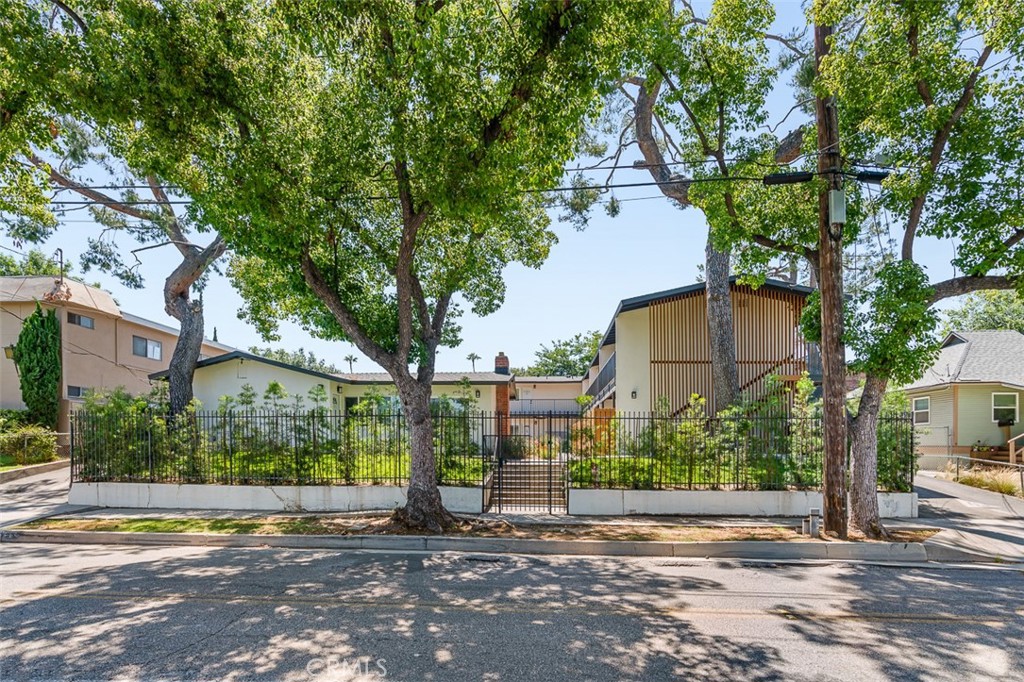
{"points": [[101, 345]]}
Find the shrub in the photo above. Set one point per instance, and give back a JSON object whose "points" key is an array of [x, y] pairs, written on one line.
{"points": [[28, 445], [1005, 481]]}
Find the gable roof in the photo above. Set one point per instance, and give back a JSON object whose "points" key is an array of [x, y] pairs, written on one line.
{"points": [[638, 302], [993, 356], [477, 378]]}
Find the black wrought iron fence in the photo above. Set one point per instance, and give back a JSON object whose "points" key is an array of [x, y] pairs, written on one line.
{"points": [[639, 451], [272, 448], [774, 452]]}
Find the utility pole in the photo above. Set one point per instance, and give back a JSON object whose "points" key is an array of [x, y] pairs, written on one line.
{"points": [[831, 216]]}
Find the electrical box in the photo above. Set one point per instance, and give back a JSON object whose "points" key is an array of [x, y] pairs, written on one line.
{"points": [[837, 206]]}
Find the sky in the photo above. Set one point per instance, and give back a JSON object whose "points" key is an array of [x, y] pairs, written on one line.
{"points": [[650, 246]]}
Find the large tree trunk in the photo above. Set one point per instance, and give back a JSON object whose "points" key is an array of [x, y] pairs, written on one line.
{"points": [[189, 315], [724, 376], [423, 507], [864, 453]]}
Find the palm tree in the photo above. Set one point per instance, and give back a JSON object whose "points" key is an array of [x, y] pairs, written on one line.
{"points": [[350, 359], [473, 357]]}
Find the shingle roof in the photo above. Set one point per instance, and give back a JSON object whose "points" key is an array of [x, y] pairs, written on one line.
{"points": [[477, 378], [989, 357], [35, 288], [439, 377]]}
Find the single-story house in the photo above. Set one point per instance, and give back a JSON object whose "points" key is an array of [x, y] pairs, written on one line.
{"points": [[225, 375], [969, 399]]}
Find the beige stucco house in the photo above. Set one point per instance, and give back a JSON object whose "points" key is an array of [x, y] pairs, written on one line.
{"points": [[225, 375], [657, 345], [971, 392], [101, 345]]}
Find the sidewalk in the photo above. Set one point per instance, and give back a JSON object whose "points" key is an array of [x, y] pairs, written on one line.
{"points": [[975, 522], [977, 525]]}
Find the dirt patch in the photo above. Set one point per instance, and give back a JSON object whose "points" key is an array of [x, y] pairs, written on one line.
{"points": [[386, 525]]}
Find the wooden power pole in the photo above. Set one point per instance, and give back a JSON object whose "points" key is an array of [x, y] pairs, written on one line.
{"points": [[831, 210]]}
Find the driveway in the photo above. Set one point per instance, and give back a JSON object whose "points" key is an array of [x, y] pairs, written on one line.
{"points": [[977, 521], [35, 496]]}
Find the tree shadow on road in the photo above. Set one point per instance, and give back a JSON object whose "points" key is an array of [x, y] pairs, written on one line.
{"points": [[231, 614], [924, 623]]}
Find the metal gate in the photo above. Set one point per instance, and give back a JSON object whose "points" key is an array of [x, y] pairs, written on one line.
{"points": [[531, 452]]}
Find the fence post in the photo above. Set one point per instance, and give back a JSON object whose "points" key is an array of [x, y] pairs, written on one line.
{"points": [[149, 450]]}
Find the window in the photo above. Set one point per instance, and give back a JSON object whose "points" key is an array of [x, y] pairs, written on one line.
{"points": [[1004, 407], [147, 348], [922, 409], [77, 391], [81, 320]]}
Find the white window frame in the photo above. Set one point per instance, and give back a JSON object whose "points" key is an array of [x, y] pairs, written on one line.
{"points": [[82, 390], [914, 410], [81, 320], [151, 344], [1016, 406]]}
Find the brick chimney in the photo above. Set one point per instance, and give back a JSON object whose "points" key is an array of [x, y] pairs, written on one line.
{"points": [[501, 363], [501, 394]]}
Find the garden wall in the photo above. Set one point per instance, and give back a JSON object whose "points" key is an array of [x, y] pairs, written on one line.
{"points": [[263, 498], [614, 502]]}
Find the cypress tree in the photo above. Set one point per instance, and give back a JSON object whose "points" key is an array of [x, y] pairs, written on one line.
{"points": [[37, 355]]}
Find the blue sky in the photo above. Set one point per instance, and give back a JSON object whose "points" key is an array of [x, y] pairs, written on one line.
{"points": [[649, 247]]}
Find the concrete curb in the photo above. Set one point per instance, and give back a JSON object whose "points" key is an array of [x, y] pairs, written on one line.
{"points": [[837, 551], [32, 470]]}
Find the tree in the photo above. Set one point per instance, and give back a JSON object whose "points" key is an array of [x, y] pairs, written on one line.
{"points": [[300, 358], [986, 310], [35, 262], [566, 358], [932, 89], [473, 357], [350, 359], [48, 147], [692, 112], [37, 356], [366, 161]]}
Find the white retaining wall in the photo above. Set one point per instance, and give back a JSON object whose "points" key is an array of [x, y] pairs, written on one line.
{"points": [[585, 502], [263, 498]]}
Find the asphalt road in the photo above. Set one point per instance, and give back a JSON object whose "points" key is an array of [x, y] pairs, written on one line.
{"points": [[100, 613]]}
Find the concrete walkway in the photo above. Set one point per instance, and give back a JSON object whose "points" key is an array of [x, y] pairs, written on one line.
{"points": [[35, 496], [975, 521]]}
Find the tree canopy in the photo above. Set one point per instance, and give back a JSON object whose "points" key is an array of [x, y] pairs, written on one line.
{"points": [[986, 310], [564, 358], [300, 358], [34, 262], [373, 166]]}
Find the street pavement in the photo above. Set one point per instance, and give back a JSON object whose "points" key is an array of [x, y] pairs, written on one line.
{"points": [[102, 613]]}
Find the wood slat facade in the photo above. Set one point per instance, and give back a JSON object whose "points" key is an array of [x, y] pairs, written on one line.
{"points": [[768, 341]]}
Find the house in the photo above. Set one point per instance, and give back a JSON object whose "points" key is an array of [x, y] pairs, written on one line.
{"points": [[226, 374], [657, 345], [101, 345], [970, 396]]}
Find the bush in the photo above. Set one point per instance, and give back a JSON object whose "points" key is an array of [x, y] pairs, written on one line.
{"points": [[28, 445], [1005, 481]]}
